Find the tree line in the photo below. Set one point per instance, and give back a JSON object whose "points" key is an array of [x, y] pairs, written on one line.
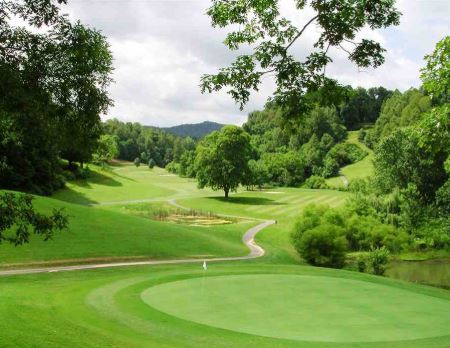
{"points": [[290, 152]]}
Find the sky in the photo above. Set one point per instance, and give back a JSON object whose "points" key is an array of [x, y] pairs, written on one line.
{"points": [[161, 49]]}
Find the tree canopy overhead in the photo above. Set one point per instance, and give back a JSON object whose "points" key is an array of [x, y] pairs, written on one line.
{"points": [[271, 36]]}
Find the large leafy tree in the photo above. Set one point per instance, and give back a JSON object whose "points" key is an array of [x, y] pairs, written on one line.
{"points": [[107, 149], [222, 159], [54, 80], [259, 25]]}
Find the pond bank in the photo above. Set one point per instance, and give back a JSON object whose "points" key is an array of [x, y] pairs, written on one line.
{"points": [[429, 272]]}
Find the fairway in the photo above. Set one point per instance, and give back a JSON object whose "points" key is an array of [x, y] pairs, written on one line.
{"points": [[307, 308], [359, 170]]}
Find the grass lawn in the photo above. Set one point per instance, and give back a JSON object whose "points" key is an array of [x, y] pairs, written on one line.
{"points": [[124, 182], [241, 304], [281, 204], [97, 234], [358, 170]]}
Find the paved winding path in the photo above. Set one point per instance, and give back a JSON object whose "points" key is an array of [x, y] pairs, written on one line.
{"points": [[248, 239]]}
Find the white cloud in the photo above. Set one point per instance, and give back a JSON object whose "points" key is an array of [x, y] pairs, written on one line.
{"points": [[162, 48]]}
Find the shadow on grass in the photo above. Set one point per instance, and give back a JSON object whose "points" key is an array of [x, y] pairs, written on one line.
{"points": [[70, 196], [248, 200], [97, 178]]}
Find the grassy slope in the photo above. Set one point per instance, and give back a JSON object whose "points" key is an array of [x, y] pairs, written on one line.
{"points": [[361, 169], [100, 233], [125, 182], [104, 308]]}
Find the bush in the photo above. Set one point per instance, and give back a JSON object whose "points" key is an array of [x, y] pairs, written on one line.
{"points": [[433, 234], [361, 263], [151, 163], [173, 168], [323, 245], [137, 162], [378, 259], [360, 233], [315, 182], [330, 167]]}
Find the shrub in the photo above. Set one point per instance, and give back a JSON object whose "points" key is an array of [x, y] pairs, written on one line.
{"points": [[433, 234], [137, 162], [315, 182], [173, 167], [323, 245], [366, 232], [151, 163], [330, 167], [378, 259], [361, 263]]}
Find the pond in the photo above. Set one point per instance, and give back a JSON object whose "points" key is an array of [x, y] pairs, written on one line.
{"points": [[430, 272]]}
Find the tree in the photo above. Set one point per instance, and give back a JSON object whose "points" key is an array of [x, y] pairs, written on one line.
{"points": [[107, 149], [17, 217], [436, 74], [144, 157], [400, 110], [222, 159], [258, 174], [54, 76], [271, 36]]}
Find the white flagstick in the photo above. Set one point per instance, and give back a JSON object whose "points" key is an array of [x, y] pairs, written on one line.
{"points": [[203, 276]]}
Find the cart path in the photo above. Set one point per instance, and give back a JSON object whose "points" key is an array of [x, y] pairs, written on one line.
{"points": [[248, 239]]}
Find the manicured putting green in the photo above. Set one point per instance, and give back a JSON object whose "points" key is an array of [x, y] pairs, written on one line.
{"points": [[306, 308]]}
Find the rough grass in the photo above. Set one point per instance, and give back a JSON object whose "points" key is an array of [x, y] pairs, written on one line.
{"points": [[162, 211]]}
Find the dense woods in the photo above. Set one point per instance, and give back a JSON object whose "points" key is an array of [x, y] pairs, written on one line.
{"points": [[137, 141]]}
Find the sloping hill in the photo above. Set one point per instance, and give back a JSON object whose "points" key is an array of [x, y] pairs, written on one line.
{"points": [[358, 170], [194, 130], [101, 235]]}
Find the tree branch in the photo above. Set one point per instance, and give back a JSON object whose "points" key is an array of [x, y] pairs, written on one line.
{"points": [[345, 50], [301, 32]]}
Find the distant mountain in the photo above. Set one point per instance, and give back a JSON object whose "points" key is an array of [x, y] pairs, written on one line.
{"points": [[194, 130]]}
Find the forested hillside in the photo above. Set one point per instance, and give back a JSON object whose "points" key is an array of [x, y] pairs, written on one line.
{"points": [[135, 141], [194, 130]]}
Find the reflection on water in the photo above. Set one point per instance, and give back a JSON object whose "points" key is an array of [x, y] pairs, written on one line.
{"points": [[431, 272]]}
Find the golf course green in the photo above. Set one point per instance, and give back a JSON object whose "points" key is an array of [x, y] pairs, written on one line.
{"points": [[307, 308]]}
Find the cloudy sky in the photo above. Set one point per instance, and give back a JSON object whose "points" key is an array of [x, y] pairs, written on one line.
{"points": [[162, 47]]}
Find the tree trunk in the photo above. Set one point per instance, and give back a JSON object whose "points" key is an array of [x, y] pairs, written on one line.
{"points": [[226, 189]]}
